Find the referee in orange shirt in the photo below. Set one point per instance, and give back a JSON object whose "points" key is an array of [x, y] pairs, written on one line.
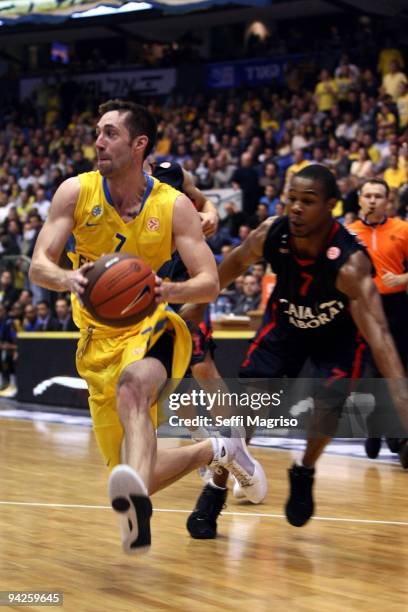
{"points": [[387, 242]]}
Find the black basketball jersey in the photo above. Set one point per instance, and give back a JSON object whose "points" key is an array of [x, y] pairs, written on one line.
{"points": [[170, 173], [305, 298]]}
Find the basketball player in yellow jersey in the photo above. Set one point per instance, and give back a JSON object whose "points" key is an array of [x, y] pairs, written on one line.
{"points": [[120, 208]]}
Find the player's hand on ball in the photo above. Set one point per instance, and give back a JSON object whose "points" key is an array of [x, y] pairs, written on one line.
{"points": [[76, 280], [159, 290]]}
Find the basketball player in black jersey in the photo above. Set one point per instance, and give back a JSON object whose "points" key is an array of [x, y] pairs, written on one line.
{"points": [[323, 305]]}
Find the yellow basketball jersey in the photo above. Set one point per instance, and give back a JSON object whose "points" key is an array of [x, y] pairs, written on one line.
{"points": [[99, 229]]}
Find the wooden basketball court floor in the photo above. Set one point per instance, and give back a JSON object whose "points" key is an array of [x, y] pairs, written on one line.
{"points": [[57, 532]]}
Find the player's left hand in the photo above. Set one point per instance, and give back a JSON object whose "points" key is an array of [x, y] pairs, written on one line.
{"points": [[158, 290], [162, 290], [209, 223]]}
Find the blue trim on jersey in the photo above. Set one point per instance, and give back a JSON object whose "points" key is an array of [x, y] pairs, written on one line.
{"points": [[70, 246], [106, 191], [148, 190]]}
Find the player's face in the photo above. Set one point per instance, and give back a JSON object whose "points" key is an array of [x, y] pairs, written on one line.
{"points": [[309, 210], [115, 150], [113, 143], [373, 201]]}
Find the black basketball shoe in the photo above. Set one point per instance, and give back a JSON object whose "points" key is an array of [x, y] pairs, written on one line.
{"points": [[300, 506], [129, 498], [202, 522], [372, 447]]}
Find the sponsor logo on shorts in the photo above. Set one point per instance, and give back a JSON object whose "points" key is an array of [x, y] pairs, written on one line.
{"points": [[153, 224]]}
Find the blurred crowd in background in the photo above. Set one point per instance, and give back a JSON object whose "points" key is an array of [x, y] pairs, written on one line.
{"points": [[351, 115]]}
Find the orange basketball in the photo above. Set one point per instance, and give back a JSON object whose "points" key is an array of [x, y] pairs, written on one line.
{"points": [[120, 290]]}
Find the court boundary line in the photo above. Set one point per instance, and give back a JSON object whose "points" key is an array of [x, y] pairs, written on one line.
{"points": [[181, 511]]}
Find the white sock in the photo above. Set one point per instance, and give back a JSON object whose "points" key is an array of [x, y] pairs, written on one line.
{"points": [[214, 443]]}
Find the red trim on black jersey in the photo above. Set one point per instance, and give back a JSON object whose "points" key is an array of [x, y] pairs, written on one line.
{"points": [[261, 335], [358, 358]]}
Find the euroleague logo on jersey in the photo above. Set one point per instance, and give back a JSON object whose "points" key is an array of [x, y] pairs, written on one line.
{"points": [[153, 224], [333, 252]]}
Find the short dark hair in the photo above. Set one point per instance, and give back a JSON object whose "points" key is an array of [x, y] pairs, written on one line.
{"points": [[320, 173], [138, 120], [375, 181]]}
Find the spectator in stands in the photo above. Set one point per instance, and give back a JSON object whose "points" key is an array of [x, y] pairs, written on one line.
{"points": [[392, 80], [299, 162], [14, 230], [348, 196], [26, 179], [8, 293], [258, 270], [8, 247], [41, 203], [30, 318], [270, 176], [261, 214], [394, 175], [16, 314], [81, 164], [8, 353], [389, 55], [232, 220], [382, 144], [352, 69], [45, 321], [224, 172], [362, 167], [402, 105], [279, 209], [64, 315], [243, 232], [326, 92], [25, 298], [35, 226], [251, 295], [348, 128], [270, 199], [386, 119], [246, 179]]}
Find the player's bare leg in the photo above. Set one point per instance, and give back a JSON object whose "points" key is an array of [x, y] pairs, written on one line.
{"points": [[138, 388]]}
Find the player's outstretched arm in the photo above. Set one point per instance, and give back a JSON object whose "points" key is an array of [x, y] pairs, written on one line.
{"points": [[366, 309], [44, 268], [239, 259], [206, 209], [234, 264], [189, 241]]}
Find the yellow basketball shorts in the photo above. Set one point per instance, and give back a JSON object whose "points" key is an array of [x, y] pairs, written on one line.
{"points": [[101, 360]]}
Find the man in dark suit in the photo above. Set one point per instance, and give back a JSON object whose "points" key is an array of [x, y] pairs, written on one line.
{"points": [[64, 316]]}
